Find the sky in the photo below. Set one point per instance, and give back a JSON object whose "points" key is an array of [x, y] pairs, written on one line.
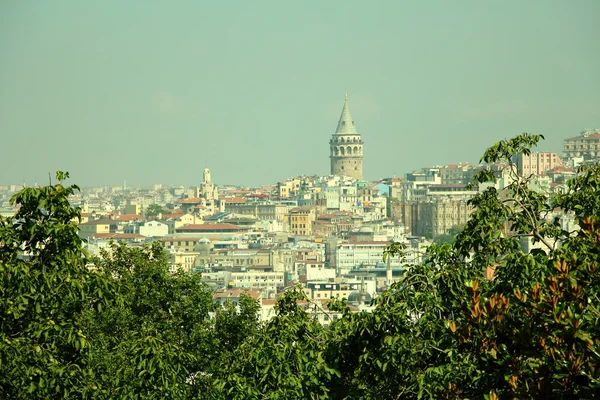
{"points": [[155, 91]]}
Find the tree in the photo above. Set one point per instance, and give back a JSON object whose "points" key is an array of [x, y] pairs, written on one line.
{"points": [[150, 342], [284, 360], [46, 290], [154, 210]]}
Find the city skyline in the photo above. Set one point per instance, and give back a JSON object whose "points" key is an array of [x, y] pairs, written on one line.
{"points": [[115, 92]]}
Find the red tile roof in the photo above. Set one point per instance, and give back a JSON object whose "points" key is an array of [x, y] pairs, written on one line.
{"points": [[129, 217], [235, 292], [191, 200]]}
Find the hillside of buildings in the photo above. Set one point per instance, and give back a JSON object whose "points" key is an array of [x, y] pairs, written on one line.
{"points": [[456, 281]]}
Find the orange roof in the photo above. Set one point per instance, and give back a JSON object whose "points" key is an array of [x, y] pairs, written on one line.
{"points": [[172, 216], [191, 200], [236, 292], [235, 200], [129, 217]]}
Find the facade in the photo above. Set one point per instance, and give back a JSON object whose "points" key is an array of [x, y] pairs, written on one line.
{"points": [[182, 260], [242, 258], [152, 229], [267, 211], [212, 229], [347, 255], [454, 174], [97, 226], [436, 217], [301, 220], [289, 188], [269, 283], [586, 145], [536, 164], [346, 147]]}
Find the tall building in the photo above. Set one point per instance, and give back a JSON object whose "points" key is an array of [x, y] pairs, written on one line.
{"points": [[536, 164], [207, 189], [346, 147]]}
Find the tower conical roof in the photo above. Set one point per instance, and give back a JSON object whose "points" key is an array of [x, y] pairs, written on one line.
{"points": [[346, 124]]}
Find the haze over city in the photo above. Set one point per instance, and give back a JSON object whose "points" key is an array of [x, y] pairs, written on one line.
{"points": [[153, 92]]}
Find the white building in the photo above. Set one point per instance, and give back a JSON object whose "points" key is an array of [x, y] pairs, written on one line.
{"points": [[153, 229], [148, 229], [266, 282], [361, 254]]}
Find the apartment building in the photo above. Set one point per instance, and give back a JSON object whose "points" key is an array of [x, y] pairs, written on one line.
{"points": [[536, 164], [436, 217], [266, 211], [586, 145], [301, 220]]}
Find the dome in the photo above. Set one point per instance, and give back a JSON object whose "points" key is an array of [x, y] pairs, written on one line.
{"points": [[203, 246], [358, 297]]}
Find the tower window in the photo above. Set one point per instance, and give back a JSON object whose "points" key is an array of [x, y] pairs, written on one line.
{"points": [[342, 167], [343, 122]]}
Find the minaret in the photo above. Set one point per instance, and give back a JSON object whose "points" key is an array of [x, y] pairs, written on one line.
{"points": [[346, 147]]}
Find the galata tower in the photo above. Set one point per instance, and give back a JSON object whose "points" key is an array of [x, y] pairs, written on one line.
{"points": [[346, 147]]}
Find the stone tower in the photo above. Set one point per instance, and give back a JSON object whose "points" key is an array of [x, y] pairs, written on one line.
{"points": [[208, 190], [346, 147]]}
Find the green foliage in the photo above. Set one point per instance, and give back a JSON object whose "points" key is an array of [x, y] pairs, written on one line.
{"points": [[147, 342], [449, 237], [284, 360], [154, 210], [45, 292]]}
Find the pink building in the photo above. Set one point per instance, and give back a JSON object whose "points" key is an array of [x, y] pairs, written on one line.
{"points": [[536, 164]]}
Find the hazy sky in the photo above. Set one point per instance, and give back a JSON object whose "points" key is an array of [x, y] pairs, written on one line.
{"points": [[152, 92]]}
